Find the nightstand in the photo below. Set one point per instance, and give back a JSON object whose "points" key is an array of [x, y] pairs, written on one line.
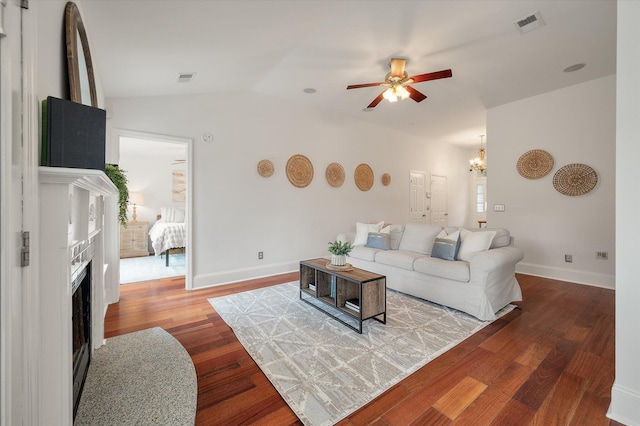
{"points": [[133, 239]]}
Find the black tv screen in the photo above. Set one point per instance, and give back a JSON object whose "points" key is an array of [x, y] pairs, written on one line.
{"points": [[73, 135]]}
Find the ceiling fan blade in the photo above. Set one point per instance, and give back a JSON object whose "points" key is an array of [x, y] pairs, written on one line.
{"points": [[358, 86], [376, 101], [415, 95], [397, 67], [431, 76]]}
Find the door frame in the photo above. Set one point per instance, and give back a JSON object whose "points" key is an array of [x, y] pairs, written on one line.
{"points": [[116, 134]]}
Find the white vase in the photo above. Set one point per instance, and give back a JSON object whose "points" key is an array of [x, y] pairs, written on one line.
{"points": [[338, 259]]}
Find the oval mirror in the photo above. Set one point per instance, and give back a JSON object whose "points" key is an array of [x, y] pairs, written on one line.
{"points": [[82, 86]]}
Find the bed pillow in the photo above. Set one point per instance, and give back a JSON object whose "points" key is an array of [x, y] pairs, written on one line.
{"points": [[446, 246], [362, 232], [378, 240], [172, 215], [474, 242]]}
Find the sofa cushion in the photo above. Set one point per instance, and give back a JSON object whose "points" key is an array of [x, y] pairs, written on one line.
{"points": [[445, 246], [378, 240], [502, 238], [364, 253], [419, 237], [457, 270], [362, 232], [395, 235], [474, 242], [398, 258]]}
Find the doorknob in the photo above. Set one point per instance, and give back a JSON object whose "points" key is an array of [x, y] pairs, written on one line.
{"points": [[424, 215], [446, 214]]}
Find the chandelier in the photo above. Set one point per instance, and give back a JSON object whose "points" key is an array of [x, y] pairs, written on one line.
{"points": [[479, 162]]}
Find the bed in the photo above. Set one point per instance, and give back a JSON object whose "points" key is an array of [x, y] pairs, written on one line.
{"points": [[169, 232]]}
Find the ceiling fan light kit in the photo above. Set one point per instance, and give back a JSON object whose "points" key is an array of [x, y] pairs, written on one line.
{"points": [[398, 82]]}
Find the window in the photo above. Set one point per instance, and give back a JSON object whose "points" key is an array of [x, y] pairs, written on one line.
{"points": [[480, 198]]}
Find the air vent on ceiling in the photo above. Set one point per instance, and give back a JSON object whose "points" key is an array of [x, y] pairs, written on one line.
{"points": [[529, 23], [185, 77]]}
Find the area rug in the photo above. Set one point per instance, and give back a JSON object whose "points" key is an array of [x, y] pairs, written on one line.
{"points": [[136, 269], [141, 378], [324, 370]]}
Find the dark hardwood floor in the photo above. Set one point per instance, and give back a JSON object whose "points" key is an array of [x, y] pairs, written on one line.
{"points": [[549, 362]]}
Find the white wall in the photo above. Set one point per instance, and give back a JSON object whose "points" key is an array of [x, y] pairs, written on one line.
{"points": [[237, 213], [625, 395], [575, 125]]}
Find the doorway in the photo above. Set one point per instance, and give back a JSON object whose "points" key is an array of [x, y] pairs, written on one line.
{"points": [[158, 169], [419, 207]]}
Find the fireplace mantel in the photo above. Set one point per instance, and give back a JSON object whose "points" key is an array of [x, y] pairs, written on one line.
{"points": [[77, 208]]}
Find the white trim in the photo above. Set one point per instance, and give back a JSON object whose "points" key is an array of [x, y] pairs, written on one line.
{"points": [[228, 277], [116, 134], [625, 405], [571, 275]]}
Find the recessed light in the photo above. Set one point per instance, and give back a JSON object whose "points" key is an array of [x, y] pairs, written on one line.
{"points": [[309, 90], [573, 68]]}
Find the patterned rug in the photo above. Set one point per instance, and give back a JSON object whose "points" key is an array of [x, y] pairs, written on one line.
{"points": [[324, 370], [135, 269]]}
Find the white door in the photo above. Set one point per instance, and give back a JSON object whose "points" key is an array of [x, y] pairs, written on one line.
{"points": [[18, 213], [419, 208], [439, 200]]}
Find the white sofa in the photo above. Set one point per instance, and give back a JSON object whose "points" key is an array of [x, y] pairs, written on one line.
{"points": [[480, 286]]}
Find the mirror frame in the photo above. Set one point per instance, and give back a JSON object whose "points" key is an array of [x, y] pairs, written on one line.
{"points": [[74, 27]]}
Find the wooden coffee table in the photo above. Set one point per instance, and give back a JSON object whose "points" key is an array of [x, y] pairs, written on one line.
{"points": [[357, 293]]}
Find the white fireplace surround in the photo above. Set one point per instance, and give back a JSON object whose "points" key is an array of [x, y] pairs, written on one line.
{"points": [[78, 209]]}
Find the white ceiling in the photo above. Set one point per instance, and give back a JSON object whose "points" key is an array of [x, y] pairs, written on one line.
{"points": [[279, 48]]}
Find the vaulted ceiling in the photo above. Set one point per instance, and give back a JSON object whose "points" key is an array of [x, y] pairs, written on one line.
{"points": [[280, 48]]}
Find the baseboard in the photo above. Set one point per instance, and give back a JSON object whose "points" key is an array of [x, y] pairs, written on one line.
{"points": [[625, 406], [571, 275], [228, 277]]}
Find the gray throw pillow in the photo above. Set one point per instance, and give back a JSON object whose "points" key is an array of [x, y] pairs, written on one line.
{"points": [[378, 240], [445, 248]]}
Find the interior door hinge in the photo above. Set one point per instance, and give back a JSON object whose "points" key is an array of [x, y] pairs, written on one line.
{"points": [[24, 251], [24, 4]]}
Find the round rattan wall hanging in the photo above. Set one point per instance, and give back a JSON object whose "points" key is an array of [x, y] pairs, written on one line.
{"points": [[363, 177], [386, 179], [335, 174], [535, 164], [299, 170], [265, 168], [575, 179]]}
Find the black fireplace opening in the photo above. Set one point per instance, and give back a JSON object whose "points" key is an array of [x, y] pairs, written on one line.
{"points": [[81, 331]]}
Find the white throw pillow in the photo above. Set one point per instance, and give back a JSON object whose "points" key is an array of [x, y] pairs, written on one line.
{"points": [[419, 237], [474, 242], [362, 232]]}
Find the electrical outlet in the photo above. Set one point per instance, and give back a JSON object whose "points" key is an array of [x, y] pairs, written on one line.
{"points": [[568, 258], [602, 255], [260, 255]]}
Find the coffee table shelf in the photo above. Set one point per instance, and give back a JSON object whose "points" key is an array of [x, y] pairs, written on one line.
{"points": [[359, 294]]}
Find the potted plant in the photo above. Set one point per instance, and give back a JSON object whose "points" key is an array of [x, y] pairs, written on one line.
{"points": [[117, 176], [339, 252]]}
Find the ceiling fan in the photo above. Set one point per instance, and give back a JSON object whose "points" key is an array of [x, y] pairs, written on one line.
{"points": [[397, 82]]}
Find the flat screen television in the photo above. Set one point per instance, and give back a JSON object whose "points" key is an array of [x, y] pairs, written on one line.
{"points": [[73, 135]]}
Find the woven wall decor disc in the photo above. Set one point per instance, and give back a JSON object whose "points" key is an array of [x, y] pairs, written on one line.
{"points": [[265, 168], [535, 164], [299, 170], [386, 179], [575, 179], [363, 177], [335, 174]]}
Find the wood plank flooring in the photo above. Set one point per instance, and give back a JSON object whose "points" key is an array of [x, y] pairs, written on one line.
{"points": [[549, 362]]}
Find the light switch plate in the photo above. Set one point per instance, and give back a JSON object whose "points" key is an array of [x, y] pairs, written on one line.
{"points": [[498, 207]]}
